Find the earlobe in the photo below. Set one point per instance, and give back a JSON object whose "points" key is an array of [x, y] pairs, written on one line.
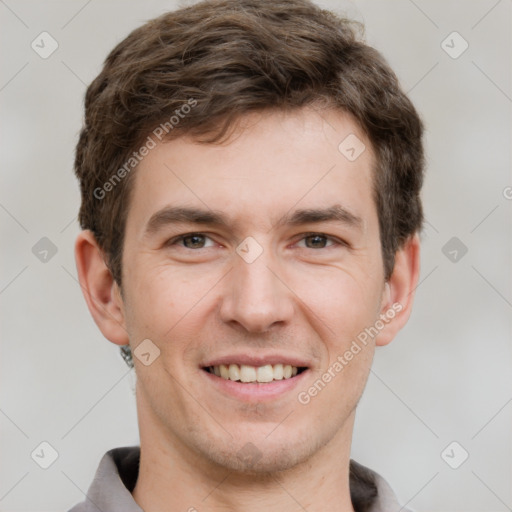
{"points": [[398, 294], [99, 289]]}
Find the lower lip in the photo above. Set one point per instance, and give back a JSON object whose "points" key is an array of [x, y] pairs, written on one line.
{"points": [[255, 391]]}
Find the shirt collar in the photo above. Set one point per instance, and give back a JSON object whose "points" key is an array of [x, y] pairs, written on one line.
{"points": [[117, 474]]}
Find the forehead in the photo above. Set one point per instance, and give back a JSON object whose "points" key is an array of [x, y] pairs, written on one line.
{"points": [[274, 162]]}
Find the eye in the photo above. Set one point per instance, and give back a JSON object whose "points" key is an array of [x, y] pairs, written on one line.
{"points": [[192, 241], [318, 241]]}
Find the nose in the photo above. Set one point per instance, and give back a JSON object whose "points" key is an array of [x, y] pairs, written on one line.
{"points": [[256, 297]]}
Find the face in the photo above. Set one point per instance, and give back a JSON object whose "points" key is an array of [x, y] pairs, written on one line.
{"points": [[240, 261]]}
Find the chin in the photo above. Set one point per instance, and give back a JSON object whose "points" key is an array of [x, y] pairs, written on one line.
{"points": [[257, 454], [251, 460]]}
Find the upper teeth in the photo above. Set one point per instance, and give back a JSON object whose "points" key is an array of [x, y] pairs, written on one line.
{"points": [[246, 373]]}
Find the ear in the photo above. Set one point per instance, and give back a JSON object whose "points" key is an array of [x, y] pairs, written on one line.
{"points": [[101, 292], [398, 294]]}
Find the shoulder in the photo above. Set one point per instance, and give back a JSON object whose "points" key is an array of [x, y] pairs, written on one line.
{"points": [[113, 482], [370, 492]]}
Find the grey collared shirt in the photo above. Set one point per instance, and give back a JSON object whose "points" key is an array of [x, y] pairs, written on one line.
{"points": [[117, 474]]}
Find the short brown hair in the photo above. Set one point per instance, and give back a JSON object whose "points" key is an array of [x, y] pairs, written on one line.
{"points": [[226, 58]]}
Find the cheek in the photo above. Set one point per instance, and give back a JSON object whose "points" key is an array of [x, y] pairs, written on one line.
{"points": [[160, 294], [345, 305], [150, 306], [343, 302], [167, 305]]}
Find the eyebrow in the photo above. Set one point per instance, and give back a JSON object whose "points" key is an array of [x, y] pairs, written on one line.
{"points": [[336, 213], [175, 215]]}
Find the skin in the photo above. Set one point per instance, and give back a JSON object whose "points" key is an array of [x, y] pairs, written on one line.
{"points": [[306, 297]]}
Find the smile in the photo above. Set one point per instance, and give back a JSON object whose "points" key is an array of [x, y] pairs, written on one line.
{"points": [[261, 374]]}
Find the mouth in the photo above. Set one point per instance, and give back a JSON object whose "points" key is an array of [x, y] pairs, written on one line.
{"points": [[247, 374], [255, 378]]}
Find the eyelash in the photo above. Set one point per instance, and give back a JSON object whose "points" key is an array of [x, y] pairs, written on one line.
{"points": [[336, 241]]}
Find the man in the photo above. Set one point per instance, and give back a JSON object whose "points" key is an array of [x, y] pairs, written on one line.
{"points": [[250, 175]]}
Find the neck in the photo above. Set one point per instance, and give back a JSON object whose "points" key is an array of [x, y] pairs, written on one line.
{"points": [[174, 478]]}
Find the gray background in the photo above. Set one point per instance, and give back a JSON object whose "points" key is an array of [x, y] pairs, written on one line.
{"points": [[447, 377]]}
